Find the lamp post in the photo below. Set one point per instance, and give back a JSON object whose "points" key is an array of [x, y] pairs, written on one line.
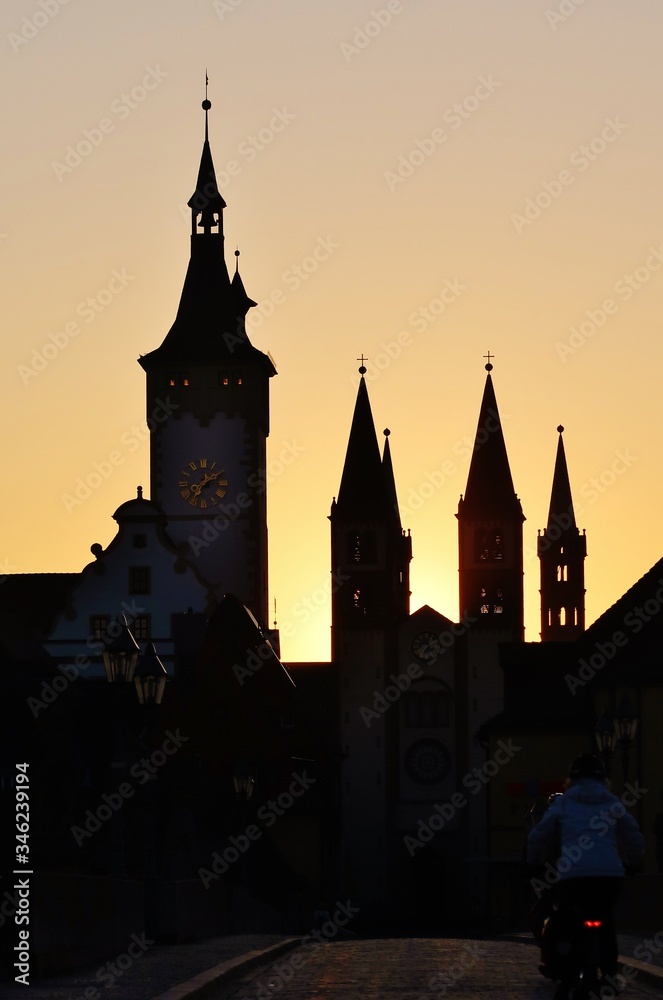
{"points": [[604, 732], [626, 724], [150, 680], [243, 781], [120, 657]]}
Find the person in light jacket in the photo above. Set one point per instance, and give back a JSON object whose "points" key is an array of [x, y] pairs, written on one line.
{"points": [[598, 841]]}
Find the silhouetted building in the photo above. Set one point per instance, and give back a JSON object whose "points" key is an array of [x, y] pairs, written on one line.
{"points": [[398, 734]]}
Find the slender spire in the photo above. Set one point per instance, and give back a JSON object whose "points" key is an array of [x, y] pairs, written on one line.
{"points": [[489, 483], [389, 478], [206, 202], [561, 501], [362, 490]]}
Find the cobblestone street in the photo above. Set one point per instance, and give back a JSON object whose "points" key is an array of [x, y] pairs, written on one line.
{"points": [[406, 969]]}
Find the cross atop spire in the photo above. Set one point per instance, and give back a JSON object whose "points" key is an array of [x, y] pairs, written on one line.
{"points": [[488, 357], [206, 106]]}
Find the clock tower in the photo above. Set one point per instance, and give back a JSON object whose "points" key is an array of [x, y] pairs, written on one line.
{"points": [[208, 458]]}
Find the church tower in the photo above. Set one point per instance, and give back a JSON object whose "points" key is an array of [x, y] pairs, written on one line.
{"points": [[208, 457], [562, 551], [490, 533], [370, 599]]}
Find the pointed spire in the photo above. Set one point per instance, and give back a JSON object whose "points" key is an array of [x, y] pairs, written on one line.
{"points": [[561, 501], [362, 490], [244, 303], [210, 321], [489, 489], [389, 478], [206, 200]]}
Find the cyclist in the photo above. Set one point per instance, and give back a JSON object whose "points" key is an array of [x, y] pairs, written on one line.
{"points": [[597, 838]]}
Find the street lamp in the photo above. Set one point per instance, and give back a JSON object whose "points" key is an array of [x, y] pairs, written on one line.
{"points": [[626, 724], [150, 678], [120, 657], [604, 732], [243, 780]]}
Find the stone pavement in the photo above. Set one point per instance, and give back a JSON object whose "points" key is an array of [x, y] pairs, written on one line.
{"points": [[407, 969], [256, 967]]}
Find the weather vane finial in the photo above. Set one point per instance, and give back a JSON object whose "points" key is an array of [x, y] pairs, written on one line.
{"points": [[206, 104]]}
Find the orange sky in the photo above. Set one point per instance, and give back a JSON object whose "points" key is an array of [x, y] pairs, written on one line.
{"points": [[418, 181]]}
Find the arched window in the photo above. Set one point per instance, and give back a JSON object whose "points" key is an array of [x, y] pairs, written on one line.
{"points": [[488, 545], [491, 600]]}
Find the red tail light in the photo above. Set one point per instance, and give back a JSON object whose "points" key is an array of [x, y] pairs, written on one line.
{"points": [[593, 923]]}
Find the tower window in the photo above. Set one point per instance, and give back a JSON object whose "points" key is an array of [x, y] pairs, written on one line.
{"points": [[139, 579], [561, 573], [491, 602], [224, 378], [362, 547], [175, 379], [237, 378], [488, 546]]}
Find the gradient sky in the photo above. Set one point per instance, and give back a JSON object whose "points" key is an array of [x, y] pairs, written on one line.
{"points": [[507, 154]]}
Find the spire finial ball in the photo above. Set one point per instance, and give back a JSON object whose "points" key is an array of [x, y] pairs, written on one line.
{"points": [[387, 432], [206, 105], [560, 429], [362, 370], [489, 367]]}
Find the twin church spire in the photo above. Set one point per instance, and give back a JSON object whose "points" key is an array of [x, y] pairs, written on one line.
{"points": [[490, 520]]}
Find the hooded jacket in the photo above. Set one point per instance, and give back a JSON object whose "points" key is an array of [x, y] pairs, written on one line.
{"points": [[596, 833]]}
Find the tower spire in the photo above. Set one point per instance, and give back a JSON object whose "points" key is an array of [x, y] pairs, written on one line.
{"points": [[562, 551], [490, 532]]}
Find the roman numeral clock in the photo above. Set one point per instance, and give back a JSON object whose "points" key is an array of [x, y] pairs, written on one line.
{"points": [[202, 484]]}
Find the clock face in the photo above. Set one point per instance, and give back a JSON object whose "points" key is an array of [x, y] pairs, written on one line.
{"points": [[427, 762], [426, 646], [202, 484]]}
